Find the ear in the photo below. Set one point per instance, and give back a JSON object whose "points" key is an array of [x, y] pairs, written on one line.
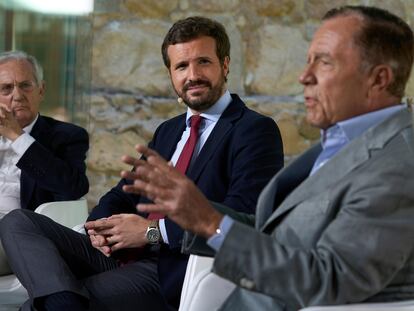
{"points": [[42, 89], [226, 65], [381, 77]]}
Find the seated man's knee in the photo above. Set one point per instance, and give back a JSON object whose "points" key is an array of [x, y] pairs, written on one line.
{"points": [[13, 220]]}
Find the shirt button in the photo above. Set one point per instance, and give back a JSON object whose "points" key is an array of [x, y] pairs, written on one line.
{"points": [[246, 283]]}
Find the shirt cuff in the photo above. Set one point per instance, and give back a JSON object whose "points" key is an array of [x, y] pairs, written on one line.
{"points": [[163, 229], [22, 143], [217, 239]]}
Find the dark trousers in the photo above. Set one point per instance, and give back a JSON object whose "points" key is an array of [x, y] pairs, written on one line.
{"points": [[49, 258]]}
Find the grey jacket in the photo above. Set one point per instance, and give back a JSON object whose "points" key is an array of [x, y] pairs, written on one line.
{"points": [[343, 235]]}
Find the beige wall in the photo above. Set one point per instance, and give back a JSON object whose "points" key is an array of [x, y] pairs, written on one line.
{"points": [[131, 91]]}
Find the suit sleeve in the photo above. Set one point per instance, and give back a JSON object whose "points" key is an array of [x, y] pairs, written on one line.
{"points": [[62, 171], [256, 155], [115, 201], [366, 242]]}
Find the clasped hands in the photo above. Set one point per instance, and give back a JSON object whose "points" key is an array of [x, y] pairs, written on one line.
{"points": [[117, 232]]}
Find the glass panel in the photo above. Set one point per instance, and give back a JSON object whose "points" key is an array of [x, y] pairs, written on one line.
{"points": [[62, 46]]}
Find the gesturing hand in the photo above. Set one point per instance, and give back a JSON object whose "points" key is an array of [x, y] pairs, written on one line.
{"points": [[172, 192]]}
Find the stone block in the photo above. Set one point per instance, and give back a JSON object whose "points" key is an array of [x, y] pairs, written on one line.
{"points": [[106, 150], [293, 142], [276, 61], [288, 10], [214, 5], [149, 8], [126, 56]]}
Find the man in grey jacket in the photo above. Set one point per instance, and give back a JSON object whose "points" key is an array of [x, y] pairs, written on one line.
{"points": [[335, 226]]}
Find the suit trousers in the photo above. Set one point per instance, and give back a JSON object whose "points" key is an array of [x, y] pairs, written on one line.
{"points": [[50, 258], [4, 265]]}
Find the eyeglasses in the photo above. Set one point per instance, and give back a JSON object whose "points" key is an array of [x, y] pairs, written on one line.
{"points": [[25, 86]]}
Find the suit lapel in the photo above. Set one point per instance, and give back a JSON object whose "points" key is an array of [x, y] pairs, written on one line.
{"points": [[232, 113], [40, 134], [284, 183], [347, 160], [169, 142]]}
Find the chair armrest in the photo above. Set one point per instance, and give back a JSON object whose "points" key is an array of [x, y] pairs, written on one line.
{"points": [[80, 228], [67, 213], [196, 266], [202, 289]]}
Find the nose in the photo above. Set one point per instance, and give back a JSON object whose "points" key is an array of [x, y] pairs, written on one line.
{"points": [[193, 72], [17, 93], [307, 77]]}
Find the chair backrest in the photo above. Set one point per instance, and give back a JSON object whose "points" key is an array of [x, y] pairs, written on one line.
{"points": [[67, 213]]}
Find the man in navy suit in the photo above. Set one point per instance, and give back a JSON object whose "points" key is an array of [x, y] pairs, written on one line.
{"points": [[41, 159], [236, 153]]}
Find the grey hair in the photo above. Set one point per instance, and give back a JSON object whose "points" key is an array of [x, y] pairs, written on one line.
{"points": [[20, 55]]}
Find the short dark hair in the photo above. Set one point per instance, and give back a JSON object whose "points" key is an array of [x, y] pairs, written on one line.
{"points": [[384, 39], [192, 28]]}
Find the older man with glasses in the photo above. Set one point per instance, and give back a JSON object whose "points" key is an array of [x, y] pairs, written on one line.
{"points": [[41, 159]]}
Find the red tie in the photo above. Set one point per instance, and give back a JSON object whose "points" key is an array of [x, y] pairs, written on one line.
{"points": [[185, 157], [129, 255]]}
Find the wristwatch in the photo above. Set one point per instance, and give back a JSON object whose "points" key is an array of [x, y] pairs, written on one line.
{"points": [[153, 233]]}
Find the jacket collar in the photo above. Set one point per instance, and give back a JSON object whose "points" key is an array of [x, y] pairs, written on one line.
{"points": [[346, 161], [231, 114]]}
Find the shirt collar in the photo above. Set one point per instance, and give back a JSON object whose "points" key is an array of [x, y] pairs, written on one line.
{"points": [[29, 128], [214, 112], [354, 127]]}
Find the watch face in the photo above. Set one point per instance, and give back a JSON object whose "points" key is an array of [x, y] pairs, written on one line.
{"points": [[153, 235]]}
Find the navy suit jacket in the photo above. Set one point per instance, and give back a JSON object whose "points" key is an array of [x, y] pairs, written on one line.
{"points": [[242, 153], [53, 167]]}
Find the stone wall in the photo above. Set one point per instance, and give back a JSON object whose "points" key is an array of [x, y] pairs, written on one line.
{"points": [[131, 91]]}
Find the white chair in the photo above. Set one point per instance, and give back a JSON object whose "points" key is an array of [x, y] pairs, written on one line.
{"points": [[201, 285], [67, 213], [205, 291]]}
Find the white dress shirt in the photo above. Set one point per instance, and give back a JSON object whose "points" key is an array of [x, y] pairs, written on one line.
{"points": [[339, 135], [10, 154], [209, 121]]}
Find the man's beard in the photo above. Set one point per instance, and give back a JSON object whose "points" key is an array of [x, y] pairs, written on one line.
{"points": [[206, 100]]}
